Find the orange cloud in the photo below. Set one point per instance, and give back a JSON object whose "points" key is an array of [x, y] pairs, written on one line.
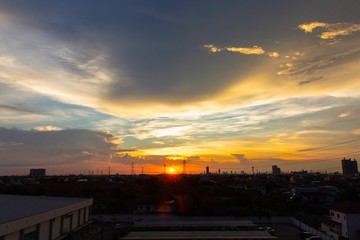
{"points": [[273, 54], [340, 29], [309, 27], [331, 30], [213, 48], [252, 50]]}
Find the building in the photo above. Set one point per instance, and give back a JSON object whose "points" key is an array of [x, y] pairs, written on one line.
{"points": [[207, 171], [37, 172], [40, 217], [276, 170], [343, 221], [349, 167], [194, 229]]}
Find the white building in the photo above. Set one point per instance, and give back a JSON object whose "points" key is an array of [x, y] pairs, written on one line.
{"points": [[343, 221], [40, 217]]}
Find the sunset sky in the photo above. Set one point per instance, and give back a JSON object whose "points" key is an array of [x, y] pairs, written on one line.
{"points": [[88, 85]]}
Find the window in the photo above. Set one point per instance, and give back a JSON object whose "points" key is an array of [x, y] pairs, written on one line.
{"points": [[51, 227], [338, 215], [79, 215], [30, 235]]}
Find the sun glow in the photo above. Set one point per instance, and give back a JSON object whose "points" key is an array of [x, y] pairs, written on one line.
{"points": [[172, 171]]}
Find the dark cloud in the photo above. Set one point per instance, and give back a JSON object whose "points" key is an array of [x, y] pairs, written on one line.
{"points": [[311, 80], [155, 47], [241, 158], [149, 159], [21, 109], [26, 148]]}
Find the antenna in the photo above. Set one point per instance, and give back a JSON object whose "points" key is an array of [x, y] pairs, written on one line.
{"points": [[184, 166], [132, 169]]}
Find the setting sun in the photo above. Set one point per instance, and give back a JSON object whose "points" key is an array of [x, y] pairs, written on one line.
{"points": [[171, 171]]}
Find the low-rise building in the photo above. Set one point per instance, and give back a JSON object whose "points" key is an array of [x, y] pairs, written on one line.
{"points": [[41, 217], [197, 230]]}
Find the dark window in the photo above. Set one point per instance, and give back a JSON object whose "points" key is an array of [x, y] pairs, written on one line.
{"points": [[79, 216], [31, 235], [51, 227]]}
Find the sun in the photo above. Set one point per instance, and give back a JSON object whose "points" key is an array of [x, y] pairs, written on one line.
{"points": [[171, 170]]}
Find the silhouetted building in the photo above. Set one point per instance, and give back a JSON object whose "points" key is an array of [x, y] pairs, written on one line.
{"points": [[276, 170], [40, 217], [207, 170], [37, 172], [349, 167]]}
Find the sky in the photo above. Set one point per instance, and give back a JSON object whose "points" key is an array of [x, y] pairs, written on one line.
{"points": [[130, 86]]}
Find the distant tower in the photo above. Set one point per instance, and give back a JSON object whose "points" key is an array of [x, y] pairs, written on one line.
{"points": [[276, 170], [349, 167], [207, 169], [164, 170]]}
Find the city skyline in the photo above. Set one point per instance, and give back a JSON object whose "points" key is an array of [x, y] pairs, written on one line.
{"points": [[225, 84]]}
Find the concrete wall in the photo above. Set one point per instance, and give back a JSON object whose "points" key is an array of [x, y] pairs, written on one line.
{"points": [[56, 227], [353, 224], [13, 236], [44, 230], [309, 229]]}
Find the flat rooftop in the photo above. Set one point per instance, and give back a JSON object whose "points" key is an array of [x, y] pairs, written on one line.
{"points": [[168, 235], [195, 223], [13, 207]]}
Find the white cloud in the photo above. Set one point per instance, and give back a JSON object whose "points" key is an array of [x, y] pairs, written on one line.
{"points": [[345, 114], [46, 128]]}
